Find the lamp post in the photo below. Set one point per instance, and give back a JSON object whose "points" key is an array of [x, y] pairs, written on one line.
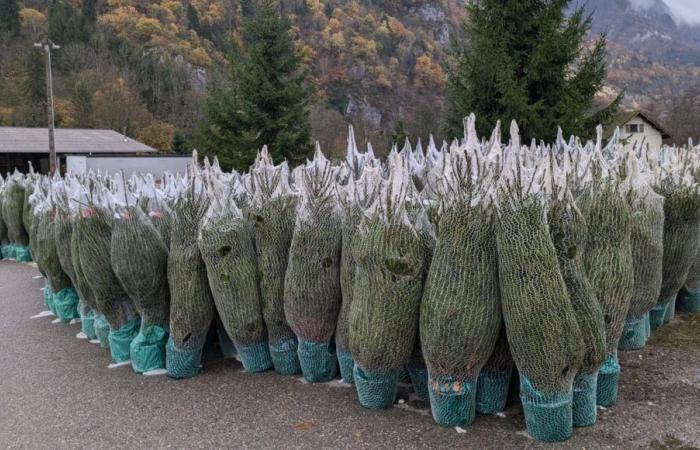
{"points": [[47, 45]]}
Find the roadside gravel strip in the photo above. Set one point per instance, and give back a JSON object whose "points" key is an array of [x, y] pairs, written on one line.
{"points": [[57, 392]]}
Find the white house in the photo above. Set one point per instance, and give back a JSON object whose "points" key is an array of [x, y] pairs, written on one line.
{"points": [[637, 127]]}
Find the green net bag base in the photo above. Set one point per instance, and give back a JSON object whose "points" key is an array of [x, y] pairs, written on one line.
{"points": [[23, 254], [255, 357], [657, 316], [87, 325], [584, 402], [184, 362], [634, 334], [65, 303], [9, 252], [608, 378], [492, 391], [688, 301], [147, 350], [48, 297], [404, 376], [452, 400], [670, 312], [318, 361], [548, 416], [6, 251], [228, 349], [346, 364], [120, 340], [102, 330], [284, 356], [419, 378], [375, 389]]}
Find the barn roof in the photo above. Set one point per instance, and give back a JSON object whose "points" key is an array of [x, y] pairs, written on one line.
{"points": [[624, 117], [69, 140]]}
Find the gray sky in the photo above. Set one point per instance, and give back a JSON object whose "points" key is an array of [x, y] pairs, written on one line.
{"points": [[687, 11], [683, 11]]}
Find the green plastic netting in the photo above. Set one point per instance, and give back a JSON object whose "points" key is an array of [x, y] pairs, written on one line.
{"points": [[13, 211], [140, 259], [273, 214], [227, 244], [543, 333], [191, 301], [608, 258], [355, 197], [389, 260], [570, 235], [312, 296], [461, 311], [495, 378], [647, 228], [681, 239], [81, 284], [65, 300], [112, 301]]}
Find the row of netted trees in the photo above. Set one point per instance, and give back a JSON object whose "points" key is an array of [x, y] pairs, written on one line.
{"points": [[456, 269]]}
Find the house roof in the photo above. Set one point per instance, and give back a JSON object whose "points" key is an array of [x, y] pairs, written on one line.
{"points": [[69, 140], [624, 117]]}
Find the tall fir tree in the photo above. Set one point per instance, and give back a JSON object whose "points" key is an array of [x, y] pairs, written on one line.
{"points": [[528, 61], [9, 17], [267, 102], [67, 23]]}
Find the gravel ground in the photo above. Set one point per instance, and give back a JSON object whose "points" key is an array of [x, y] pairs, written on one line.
{"points": [[57, 392]]}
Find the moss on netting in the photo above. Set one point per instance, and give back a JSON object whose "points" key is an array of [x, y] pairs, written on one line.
{"points": [[570, 233], [608, 255], [461, 311], [95, 237], [388, 285], [543, 332], [139, 259]]}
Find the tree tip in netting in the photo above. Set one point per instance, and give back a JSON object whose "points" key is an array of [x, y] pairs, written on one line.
{"points": [[227, 245], [389, 253], [191, 303], [271, 208], [312, 296]]}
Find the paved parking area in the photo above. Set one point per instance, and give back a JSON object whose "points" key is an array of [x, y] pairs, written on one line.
{"points": [[57, 392]]}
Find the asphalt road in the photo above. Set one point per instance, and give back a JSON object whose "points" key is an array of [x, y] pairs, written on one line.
{"points": [[57, 392]]}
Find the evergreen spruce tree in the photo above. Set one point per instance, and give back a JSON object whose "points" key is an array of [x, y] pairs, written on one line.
{"points": [[179, 142], [9, 17], [528, 61], [66, 23], [267, 102]]}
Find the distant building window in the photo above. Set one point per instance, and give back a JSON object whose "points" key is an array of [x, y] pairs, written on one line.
{"points": [[635, 128]]}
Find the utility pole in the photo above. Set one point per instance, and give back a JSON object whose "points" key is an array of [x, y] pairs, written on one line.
{"points": [[47, 45]]}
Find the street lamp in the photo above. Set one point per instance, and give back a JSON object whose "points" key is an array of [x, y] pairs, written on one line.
{"points": [[47, 45]]}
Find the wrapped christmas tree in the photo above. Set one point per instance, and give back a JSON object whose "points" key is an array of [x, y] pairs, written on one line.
{"points": [[312, 296], [191, 302]]}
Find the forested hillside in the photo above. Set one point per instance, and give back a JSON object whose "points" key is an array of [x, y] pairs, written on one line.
{"points": [[145, 66]]}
